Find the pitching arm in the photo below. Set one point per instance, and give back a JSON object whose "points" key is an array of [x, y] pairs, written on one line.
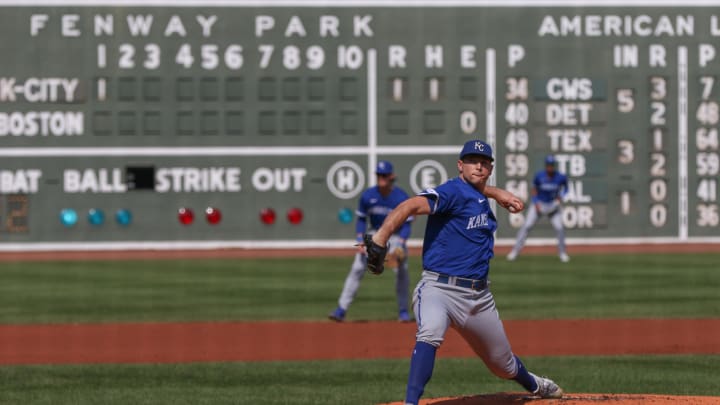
{"points": [[417, 205], [504, 198]]}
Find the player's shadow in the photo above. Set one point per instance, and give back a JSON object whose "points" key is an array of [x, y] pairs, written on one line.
{"points": [[409, 322], [501, 398]]}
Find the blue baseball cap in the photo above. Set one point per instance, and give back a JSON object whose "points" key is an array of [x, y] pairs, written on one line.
{"points": [[549, 160], [384, 167], [476, 147]]}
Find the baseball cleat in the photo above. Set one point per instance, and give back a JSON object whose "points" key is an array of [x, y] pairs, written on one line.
{"points": [[564, 257], [547, 388], [404, 317], [511, 256], [338, 315]]}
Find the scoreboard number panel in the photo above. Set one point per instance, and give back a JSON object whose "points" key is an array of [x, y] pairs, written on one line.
{"points": [[166, 124]]}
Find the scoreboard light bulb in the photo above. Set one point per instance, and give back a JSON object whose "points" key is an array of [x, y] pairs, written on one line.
{"points": [[123, 217], [96, 217], [213, 215], [267, 216], [186, 216], [68, 217], [345, 215], [295, 216]]}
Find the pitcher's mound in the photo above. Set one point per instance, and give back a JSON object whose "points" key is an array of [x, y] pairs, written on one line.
{"points": [[569, 399]]}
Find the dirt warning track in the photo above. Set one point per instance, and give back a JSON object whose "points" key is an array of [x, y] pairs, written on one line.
{"points": [[270, 341]]}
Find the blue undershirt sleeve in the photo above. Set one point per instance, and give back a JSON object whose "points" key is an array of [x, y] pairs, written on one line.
{"points": [[360, 225]]}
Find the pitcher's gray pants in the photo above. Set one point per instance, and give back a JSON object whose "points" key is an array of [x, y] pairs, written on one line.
{"points": [[472, 313]]}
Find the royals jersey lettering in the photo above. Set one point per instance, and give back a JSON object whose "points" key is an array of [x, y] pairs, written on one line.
{"points": [[460, 225]]}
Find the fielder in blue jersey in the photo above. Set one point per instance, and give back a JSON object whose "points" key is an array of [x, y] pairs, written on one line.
{"points": [[549, 189], [374, 205], [454, 288]]}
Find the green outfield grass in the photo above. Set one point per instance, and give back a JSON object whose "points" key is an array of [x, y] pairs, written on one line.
{"points": [[533, 287], [340, 382]]}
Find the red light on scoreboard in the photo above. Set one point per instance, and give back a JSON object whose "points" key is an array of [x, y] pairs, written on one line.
{"points": [[295, 215], [213, 215], [185, 216], [267, 216]]}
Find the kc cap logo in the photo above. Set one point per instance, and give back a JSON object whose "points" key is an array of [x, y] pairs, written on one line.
{"points": [[476, 147], [384, 167]]}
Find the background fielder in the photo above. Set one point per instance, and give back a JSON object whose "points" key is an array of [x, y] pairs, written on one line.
{"points": [[549, 189], [374, 205]]}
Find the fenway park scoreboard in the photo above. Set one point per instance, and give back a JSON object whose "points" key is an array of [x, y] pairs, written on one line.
{"points": [[166, 124]]}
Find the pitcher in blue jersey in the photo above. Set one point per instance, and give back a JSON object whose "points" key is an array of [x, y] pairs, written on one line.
{"points": [[454, 288], [375, 204], [549, 189]]}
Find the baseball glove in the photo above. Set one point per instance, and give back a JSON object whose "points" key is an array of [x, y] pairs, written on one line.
{"points": [[375, 255]]}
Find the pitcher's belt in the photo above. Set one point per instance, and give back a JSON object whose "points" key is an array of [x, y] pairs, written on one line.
{"points": [[474, 284]]}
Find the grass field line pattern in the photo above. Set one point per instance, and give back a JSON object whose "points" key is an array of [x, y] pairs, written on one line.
{"points": [[273, 341]]}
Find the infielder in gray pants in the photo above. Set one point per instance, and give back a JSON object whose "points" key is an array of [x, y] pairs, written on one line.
{"points": [[397, 260], [374, 205]]}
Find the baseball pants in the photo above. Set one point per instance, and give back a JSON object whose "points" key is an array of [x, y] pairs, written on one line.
{"points": [[357, 272], [471, 312], [532, 218]]}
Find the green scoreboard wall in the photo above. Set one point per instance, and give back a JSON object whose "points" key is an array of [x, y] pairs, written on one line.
{"points": [[116, 117]]}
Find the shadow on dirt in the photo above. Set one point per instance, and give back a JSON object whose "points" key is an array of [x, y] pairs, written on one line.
{"points": [[494, 399]]}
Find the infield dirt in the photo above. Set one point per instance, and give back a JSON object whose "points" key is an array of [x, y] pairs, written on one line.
{"points": [[266, 341]]}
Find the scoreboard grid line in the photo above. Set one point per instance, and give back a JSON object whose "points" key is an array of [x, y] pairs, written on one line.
{"points": [[230, 151], [683, 205], [490, 102], [372, 115]]}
